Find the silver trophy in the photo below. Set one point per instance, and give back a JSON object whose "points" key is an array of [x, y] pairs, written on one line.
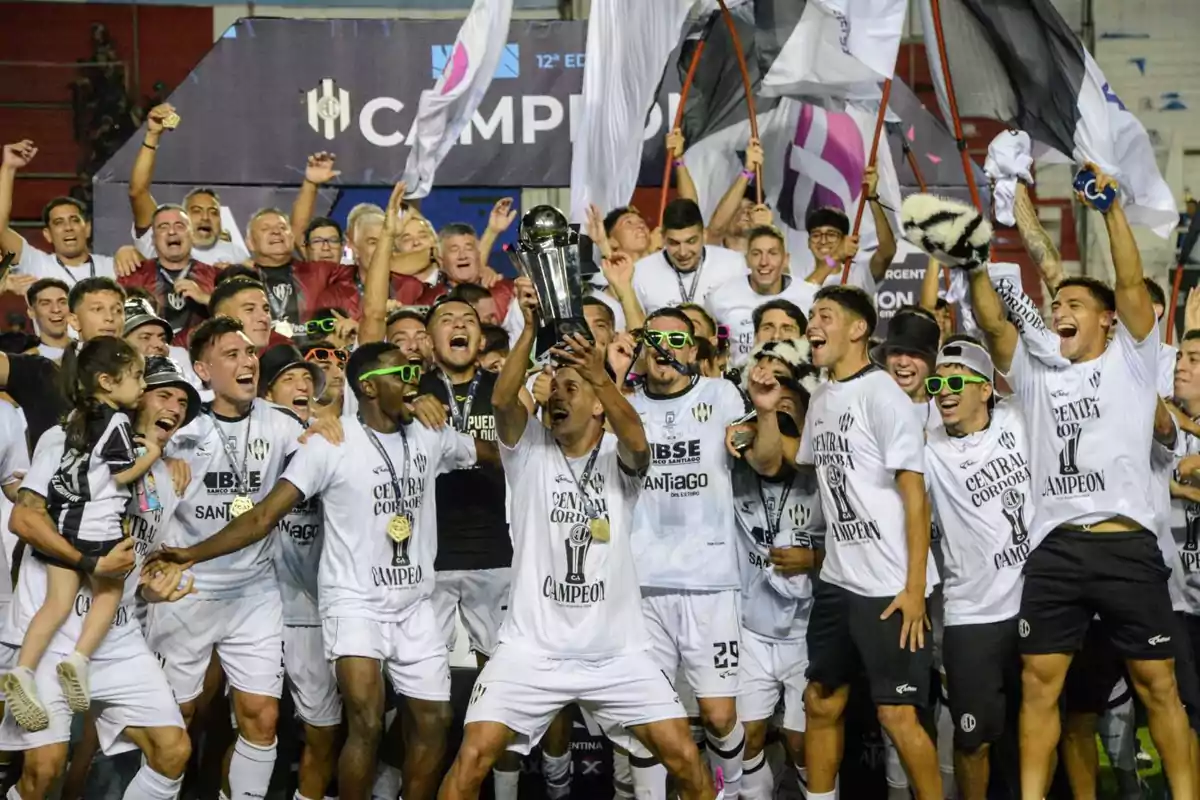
{"points": [[547, 252]]}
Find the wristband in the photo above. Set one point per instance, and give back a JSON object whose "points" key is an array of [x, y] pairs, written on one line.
{"points": [[678, 162], [749, 174], [150, 146], [88, 564]]}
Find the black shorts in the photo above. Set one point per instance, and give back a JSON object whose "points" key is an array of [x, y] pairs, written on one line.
{"points": [[983, 675], [846, 636], [1186, 675], [1074, 575], [1094, 674], [86, 547]]}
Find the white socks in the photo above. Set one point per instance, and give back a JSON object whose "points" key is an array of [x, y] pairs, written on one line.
{"points": [[622, 775], [387, 782], [557, 772], [649, 779], [506, 784], [757, 781], [725, 753], [250, 770], [823, 795], [150, 785]]}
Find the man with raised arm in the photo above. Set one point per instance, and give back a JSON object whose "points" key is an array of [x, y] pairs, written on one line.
{"points": [[1091, 427]]}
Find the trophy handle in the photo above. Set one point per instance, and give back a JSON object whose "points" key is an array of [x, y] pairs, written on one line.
{"points": [[518, 265]]}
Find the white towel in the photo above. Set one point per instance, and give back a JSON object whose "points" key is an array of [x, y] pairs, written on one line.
{"points": [[1009, 157]]}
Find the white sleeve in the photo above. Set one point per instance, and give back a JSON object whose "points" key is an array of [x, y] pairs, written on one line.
{"points": [[145, 242], [46, 459], [1041, 342], [456, 451], [32, 261], [1024, 372], [1141, 358], [731, 404], [805, 454], [901, 441], [312, 467], [515, 458], [14, 457]]}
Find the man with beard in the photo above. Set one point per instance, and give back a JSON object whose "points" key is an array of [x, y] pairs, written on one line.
{"points": [[684, 536], [574, 631], [202, 205], [134, 705], [778, 508], [296, 289], [181, 285], [908, 353], [375, 578], [47, 300], [65, 227], [869, 607], [733, 304], [289, 381], [236, 451], [736, 212], [334, 401], [95, 307], [686, 269], [1093, 539]]}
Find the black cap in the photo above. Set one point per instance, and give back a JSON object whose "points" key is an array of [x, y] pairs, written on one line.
{"points": [[910, 332], [278, 359], [139, 312], [162, 371]]}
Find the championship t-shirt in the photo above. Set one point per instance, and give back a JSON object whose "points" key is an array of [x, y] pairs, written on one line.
{"points": [[1090, 433], [980, 488], [776, 512], [859, 433], [657, 284], [733, 304], [14, 463], [124, 639], [1185, 526], [684, 532], [364, 573], [39, 264], [573, 596], [231, 458], [471, 534]]}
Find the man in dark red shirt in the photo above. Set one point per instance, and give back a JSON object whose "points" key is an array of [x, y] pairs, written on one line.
{"points": [[181, 284], [462, 263], [295, 289]]}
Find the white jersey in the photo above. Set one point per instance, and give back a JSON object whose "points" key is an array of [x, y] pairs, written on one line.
{"points": [[684, 532], [1090, 433], [85, 501], [124, 639], [221, 252], [14, 463], [572, 596], [859, 432], [776, 513], [657, 284], [228, 458], [733, 304], [1185, 528], [39, 264], [983, 506], [298, 543], [364, 573]]}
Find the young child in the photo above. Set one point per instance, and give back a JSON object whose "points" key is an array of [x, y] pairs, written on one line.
{"points": [[86, 500]]}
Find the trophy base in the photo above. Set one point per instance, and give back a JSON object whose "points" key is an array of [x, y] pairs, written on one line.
{"points": [[567, 327]]}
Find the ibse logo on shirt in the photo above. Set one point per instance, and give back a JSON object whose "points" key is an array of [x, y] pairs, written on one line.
{"points": [[1070, 481]]}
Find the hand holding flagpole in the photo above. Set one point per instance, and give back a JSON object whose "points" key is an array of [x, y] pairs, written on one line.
{"points": [[862, 199]]}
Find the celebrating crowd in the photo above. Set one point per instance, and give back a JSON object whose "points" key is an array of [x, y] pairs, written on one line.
{"points": [[297, 463]]}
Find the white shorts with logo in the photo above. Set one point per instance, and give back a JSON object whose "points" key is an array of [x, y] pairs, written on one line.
{"points": [[411, 650], [771, 669], [247, 632], [310, 676], [524, 691], [126, 693], [698, 631], [8, 660], [481, 595]]}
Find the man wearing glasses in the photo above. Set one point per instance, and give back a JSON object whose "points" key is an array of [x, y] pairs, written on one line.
{"points": [[335, 401], [684, 536], [322, 240], [977, 470]]}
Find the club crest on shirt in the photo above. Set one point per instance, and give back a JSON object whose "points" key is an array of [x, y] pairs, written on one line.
{"points": [[799, 515], [845, 422], [702, 411], [282, 291], [1008, 440], [259, 448], [176, 301], [421, 462], [1094, 379]]}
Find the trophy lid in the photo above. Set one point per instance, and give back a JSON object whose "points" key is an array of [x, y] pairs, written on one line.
{"points": [[544, 224]]}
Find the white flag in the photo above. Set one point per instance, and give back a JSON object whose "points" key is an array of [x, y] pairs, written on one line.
{"points": [[628, 43], [842, 47], [445, 110]]}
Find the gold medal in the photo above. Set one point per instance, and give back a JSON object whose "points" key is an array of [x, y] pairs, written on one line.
{"points": [[399, 528], [171, 121], [240, 505], [599, 529]]}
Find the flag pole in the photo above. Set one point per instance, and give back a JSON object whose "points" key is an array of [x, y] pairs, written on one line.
{"points": [[936, 9], [683, 94], [1176, 285], [915, 166], [862, 199], [741, 61]]}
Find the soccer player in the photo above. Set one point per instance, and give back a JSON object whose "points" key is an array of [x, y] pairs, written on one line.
{"points": [[686, 269], [575, 631]]}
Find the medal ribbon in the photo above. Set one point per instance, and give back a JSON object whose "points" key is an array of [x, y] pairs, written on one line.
{"points": [[241, 474], [387, 461], [91, 269], [460, 416], [686, 296], [773, 524], [590, 509]]}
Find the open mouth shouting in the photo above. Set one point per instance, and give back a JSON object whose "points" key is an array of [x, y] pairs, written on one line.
{"points": [[816, 341], [558, 412], [166, 422], [246, 379], [948, 402], [460, 343]]}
